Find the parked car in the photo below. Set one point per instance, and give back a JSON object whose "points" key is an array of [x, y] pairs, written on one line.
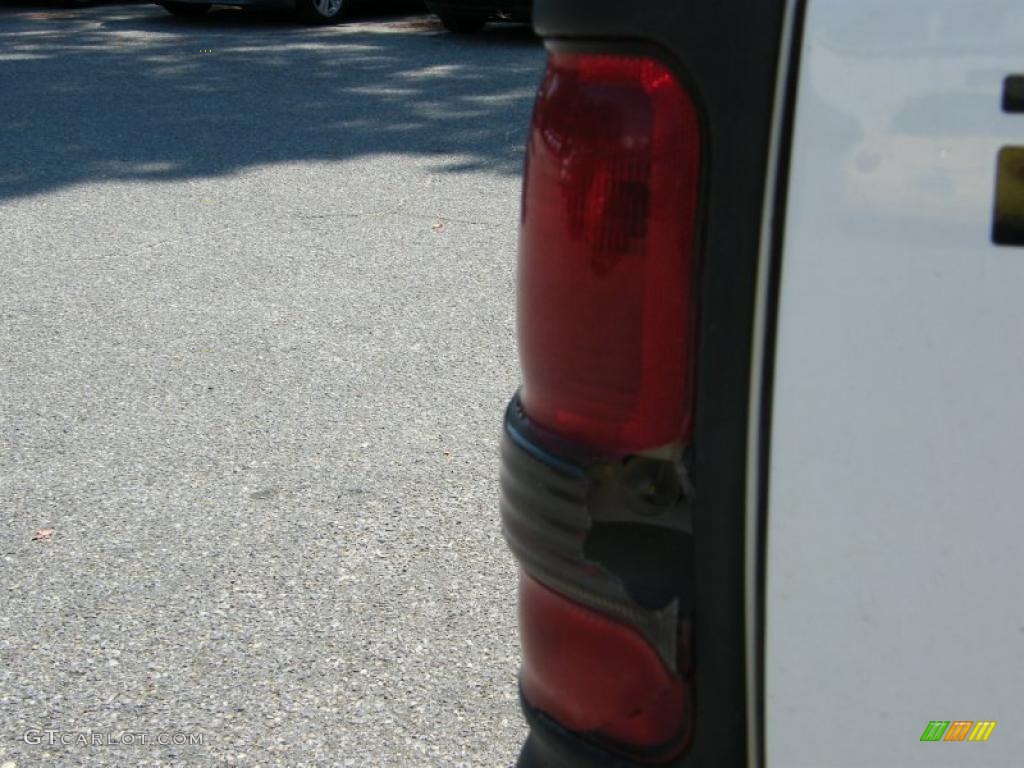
{"points": [[762, 478], [466, 16], [315, 11]]}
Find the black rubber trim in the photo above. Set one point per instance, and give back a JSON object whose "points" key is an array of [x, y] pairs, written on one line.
{"points": [[545, 519], [552, 746], [778, 228]]}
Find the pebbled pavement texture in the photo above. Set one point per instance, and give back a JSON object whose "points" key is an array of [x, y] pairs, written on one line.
{"points": [[256, 336]]}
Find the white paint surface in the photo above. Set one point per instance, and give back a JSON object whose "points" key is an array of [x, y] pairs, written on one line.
{"points": [[896, 507]]}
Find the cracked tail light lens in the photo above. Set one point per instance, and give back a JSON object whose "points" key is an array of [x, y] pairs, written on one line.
{"points": [[607, 325], [606, 254]]}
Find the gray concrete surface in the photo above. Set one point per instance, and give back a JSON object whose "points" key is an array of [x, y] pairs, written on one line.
{"points": [[256, 335]]}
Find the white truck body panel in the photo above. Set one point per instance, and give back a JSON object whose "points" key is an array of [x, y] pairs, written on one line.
{"points": [[894, 565]]}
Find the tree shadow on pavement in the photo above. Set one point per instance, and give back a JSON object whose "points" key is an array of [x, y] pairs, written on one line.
{"points": [[132, 93]]}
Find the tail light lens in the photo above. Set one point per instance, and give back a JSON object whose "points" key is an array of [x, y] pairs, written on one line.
{"points": [[595, 675], [606, 280], [607, 327]]}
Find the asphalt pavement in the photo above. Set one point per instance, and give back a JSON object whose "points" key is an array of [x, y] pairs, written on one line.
{"points": [[256, 336]]}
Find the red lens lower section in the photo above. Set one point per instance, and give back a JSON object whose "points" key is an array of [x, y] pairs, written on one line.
{"points": [[595, 675]]}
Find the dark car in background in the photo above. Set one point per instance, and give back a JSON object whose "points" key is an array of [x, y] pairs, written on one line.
{"points": [[314, 11], [466, 16]]}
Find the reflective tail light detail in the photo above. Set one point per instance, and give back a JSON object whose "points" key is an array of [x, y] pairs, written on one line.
{"points": [[607, 333], [606, 268]]}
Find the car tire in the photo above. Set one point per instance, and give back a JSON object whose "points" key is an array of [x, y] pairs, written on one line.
{"points": [[322, 11], [185, 9], [462, 23]]}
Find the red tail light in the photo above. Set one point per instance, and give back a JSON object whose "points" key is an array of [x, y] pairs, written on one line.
{"points": [[607, 268], [595, 675], [607, 326]]}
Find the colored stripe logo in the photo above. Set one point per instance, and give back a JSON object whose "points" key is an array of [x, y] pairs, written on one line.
{"points": [[958, 730]]}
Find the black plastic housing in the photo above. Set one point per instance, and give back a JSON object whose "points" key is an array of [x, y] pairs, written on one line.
{"points": [[726, 52]]}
